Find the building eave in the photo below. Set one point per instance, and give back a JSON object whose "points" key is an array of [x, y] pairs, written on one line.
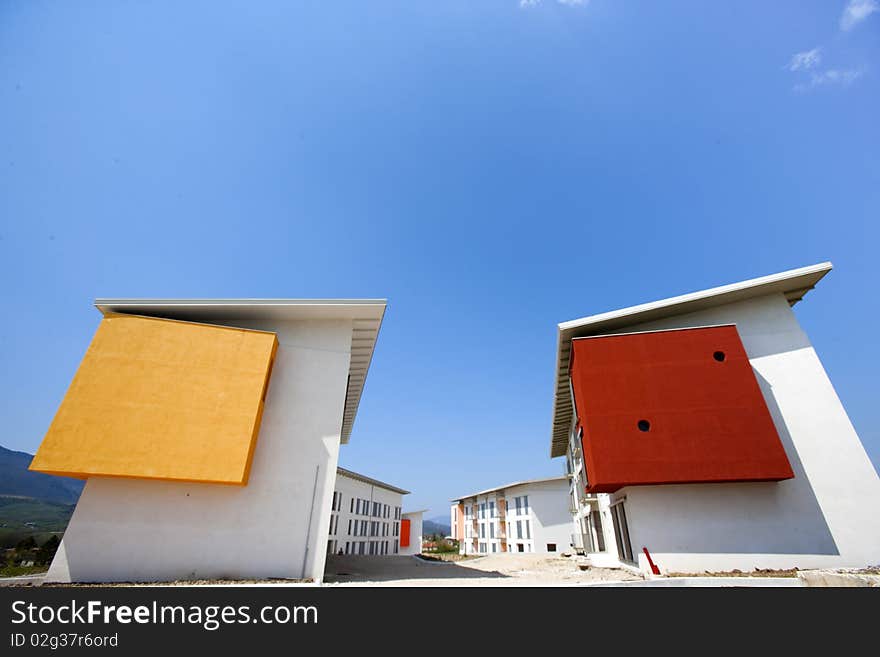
{"points": [[794, 284], [369, 480], [511, 485], [366, 316]]}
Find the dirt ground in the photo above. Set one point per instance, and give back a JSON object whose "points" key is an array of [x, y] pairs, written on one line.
{"points": [[491, 570]]}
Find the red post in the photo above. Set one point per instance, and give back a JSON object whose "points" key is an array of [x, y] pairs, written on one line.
{"points": [[654, 569]]}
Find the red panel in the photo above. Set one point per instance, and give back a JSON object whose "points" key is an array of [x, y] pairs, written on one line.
{"points": [[404, 532], [707, 419]]}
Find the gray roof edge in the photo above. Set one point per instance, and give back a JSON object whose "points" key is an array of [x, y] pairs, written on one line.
{"points": [[801, 280], [816, 271], [351, 474], [514, 484], [268, 301]]}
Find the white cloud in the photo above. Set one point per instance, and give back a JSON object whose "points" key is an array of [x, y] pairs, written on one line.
{"points": [[856, 11], [529, 3], [832, 76], [805, 60], [573, 3]]}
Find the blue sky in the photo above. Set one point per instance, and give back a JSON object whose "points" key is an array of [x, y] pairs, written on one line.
{"points": [[492, 168]]}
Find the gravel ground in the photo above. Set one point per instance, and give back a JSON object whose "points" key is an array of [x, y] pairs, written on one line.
{"points": [[491, 570]]}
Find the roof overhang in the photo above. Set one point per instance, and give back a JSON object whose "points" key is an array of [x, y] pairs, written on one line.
{"points": [[793, 284], [369, 480], [511, 485], [365, 314]]}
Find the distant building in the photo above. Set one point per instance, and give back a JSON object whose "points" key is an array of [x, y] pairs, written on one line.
{"points": [[367, 518], [704, 429], [411, 532], [525, 516]]}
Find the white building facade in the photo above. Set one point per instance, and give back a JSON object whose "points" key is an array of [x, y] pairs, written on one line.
{"points": [[135, 530], [366, 516], [527, 517], [411, 533], [826, 516]]}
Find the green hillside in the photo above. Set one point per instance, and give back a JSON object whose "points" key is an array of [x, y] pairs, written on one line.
{"points": [[21, 517], [32, 504], [17, 480]]}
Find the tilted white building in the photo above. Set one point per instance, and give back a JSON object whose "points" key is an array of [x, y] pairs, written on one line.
{"points": [[151, 524], [711, 457], [525, 516]]}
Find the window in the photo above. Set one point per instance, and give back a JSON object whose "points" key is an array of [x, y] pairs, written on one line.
{"points": [[492, 509], [482, 531], [595, 519], [482, 511], [491, 530], [351, 506], [522, 505], [528, 529], [621, 532], [349, 529], [519, 531], [396, 528], [494, 547], [551, 547], [395, 547]]}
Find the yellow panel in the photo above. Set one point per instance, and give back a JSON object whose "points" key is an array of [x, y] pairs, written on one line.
{"points": [[162, 399]]}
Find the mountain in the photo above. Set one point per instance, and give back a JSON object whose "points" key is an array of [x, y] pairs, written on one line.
{"points": [[438, 525], [17, 481]]}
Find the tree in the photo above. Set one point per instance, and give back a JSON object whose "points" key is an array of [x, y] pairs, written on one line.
{"points": [[48, 549], [26, 544]]}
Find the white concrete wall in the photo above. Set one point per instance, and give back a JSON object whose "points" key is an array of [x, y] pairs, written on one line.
{"points": [[548, 514], [415, 533], [827, 516], [347, 536], [276, 526]]}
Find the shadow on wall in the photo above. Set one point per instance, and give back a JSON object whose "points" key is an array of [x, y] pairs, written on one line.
{"points": [[748, 518]]}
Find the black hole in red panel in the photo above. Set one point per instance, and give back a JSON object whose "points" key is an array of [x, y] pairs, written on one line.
{"points": [[719, 356], [644, 425]]}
